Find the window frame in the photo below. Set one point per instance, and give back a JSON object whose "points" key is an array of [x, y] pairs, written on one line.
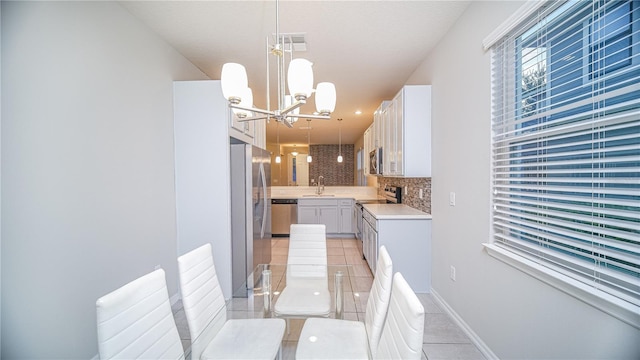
{"points": [[612, 305]]}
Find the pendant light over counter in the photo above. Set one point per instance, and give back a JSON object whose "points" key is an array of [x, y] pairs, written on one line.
{"points": [[309, 159], [278, 157], [340, 140]]}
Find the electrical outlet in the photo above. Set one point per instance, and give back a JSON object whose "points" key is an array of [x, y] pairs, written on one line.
{"points": [[406, 189], [420, 194], [452, 199], [452, 273]]}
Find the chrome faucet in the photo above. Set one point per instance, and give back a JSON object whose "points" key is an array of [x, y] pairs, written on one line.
{"points": [[320, 180]]}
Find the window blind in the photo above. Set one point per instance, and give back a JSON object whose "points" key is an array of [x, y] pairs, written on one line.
{"points": [[566, 142]]}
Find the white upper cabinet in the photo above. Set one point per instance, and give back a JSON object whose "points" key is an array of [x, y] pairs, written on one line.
{"points": [[250, 132], [379, 125], [368, 146], [260, 133], [241, 130], [407, 133]]}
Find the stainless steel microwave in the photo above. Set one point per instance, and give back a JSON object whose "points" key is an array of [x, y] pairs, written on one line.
{"points": [[375, 161]]}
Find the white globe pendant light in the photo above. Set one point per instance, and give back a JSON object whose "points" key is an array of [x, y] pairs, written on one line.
{"points": [[233, 81], [300, 78], [246, 101], [325, 98]]}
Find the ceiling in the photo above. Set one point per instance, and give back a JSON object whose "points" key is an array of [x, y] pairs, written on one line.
{"points": [[368, 49]]}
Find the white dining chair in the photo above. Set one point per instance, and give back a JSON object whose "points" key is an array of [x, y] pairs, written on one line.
{"points": [[136, 322], [212, 335], [306, 292], [345, 339], [402, 334]]}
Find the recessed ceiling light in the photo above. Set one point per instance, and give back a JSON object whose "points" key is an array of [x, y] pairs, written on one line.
{"points": [[358, 112]]}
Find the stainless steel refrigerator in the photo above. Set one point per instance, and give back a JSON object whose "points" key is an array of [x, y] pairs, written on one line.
{"points": [[250, 212]]}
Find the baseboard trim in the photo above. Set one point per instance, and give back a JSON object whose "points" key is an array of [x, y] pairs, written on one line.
{"points": [[475, 339]]}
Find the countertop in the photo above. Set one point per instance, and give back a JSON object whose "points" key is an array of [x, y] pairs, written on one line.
{"points": [[330, 192], [395, 212], [356, 197]]}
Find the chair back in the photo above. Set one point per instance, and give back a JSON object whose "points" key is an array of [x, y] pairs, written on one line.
{"points": [[378, 302], [307, 257], [403, 330], [136, 322], [202, 297]]}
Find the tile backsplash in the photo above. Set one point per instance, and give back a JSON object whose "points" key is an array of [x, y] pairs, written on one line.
{"points": [[411, 196], [325, 163]]}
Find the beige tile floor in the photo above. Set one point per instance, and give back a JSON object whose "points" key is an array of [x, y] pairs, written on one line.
{"points": [[443, 339]]}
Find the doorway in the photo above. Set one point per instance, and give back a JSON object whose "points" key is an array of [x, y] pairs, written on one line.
{"points": [[298, 170]]}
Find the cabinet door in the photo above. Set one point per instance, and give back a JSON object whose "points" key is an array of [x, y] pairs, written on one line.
{"points": [[393, 145], [370, 246], [365, 240], [260, 133], [354, 220], [346, 219], [399, 140], [367, 149], [378, 133], [328, 215], [414, 112], [386, 145], [374, 250], [242, 130], [307, 215]]}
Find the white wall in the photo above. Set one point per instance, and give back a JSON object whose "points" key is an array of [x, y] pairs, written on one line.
{"points": [[0, 181], [516, 315], [87, 168]]}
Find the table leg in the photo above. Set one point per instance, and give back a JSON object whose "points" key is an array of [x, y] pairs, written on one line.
{"points": [[266, 291], [339, 295]]}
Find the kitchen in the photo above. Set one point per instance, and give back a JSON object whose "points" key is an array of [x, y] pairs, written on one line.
{"points": [[88, 186]]}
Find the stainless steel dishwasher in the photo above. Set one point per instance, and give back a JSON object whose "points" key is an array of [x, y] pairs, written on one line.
{"points": [[284, 212]]}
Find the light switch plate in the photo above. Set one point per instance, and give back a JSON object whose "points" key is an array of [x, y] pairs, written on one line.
{"points": [[452, 199]]}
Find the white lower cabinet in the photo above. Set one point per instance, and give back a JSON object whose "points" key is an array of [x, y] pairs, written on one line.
{"points": [[345, 216], [307, 214], [370, 240], [319, 211], [408, 242], [336, 214]]}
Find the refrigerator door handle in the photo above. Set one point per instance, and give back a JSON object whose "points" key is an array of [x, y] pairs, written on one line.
{"points": [[263, 185]]}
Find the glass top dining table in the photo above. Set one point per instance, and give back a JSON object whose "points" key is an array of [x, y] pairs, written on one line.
{"points": [[265, 284], [256, 298]]}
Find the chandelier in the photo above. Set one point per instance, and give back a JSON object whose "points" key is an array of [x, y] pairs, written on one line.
{"points": [[299, 80]]}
